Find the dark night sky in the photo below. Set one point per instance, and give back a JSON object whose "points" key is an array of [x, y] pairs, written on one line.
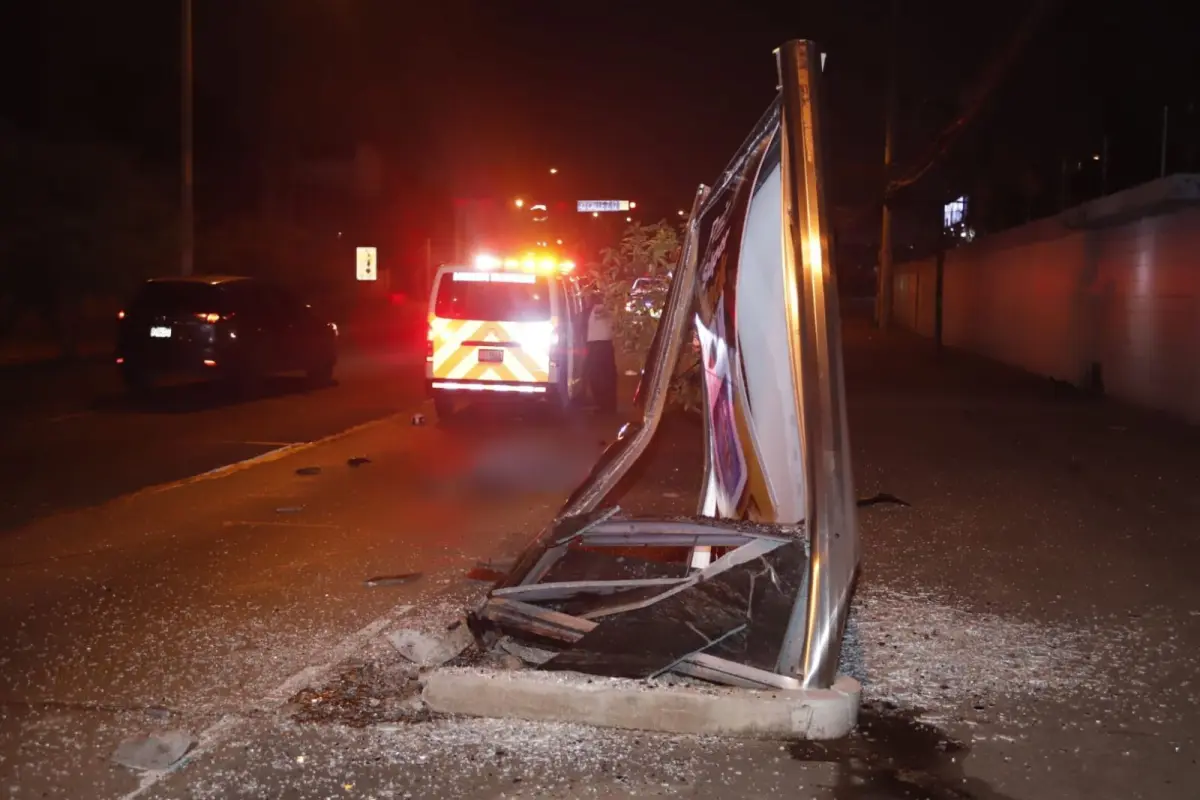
{"points": [[632, 99]]}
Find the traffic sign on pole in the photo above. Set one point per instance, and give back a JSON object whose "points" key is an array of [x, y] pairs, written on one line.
{"points": [[366, 263], [593, 206]]}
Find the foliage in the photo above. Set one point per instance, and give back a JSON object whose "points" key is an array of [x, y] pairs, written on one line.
{"points": [[646, 255]]}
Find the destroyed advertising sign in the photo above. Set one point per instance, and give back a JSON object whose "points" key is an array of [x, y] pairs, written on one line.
{"points": [[741, 485], [772, 381]]}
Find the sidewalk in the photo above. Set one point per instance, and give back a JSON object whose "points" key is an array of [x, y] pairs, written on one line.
{"points": [[1026, 629]]}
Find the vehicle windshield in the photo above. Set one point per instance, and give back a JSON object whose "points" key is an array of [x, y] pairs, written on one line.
{"points": [[499, 297], [178, 297]]}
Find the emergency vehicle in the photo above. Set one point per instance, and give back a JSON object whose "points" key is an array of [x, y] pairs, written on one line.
{"points": [[505, 327]]}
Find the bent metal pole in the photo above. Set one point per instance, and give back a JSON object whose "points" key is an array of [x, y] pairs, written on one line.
{"points": [[187, 233], [656, 381], [812, 644]]}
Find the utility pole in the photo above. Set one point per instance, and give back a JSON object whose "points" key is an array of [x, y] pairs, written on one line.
{"points": [[1064, 188], [1162, 156], [1104, 165], [187, 222], [883, 291]]}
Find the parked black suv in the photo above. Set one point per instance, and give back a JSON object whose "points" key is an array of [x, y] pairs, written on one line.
{"points": [[222, 327]]}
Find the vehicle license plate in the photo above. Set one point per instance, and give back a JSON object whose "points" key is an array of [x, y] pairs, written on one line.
{"points": [[491, 356]]}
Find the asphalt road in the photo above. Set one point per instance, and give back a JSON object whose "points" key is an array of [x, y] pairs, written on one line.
{"points": [[205, 599], [1036, 606], [70, 437]]}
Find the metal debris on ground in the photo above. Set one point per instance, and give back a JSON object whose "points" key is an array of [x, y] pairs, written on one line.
{"points": [[358, 461], [289, 509], [309, 471], [882, 499], [154, 753], [392, 580], [528, 655], [593, 608], [428, 650]]}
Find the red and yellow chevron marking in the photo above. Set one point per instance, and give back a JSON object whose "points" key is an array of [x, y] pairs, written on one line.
{"points": [[455, 360]]}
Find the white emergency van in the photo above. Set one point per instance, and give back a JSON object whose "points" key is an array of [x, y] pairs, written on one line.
{"points": [[505, 327]]}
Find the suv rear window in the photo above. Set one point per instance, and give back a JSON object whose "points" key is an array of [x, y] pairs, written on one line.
{"points": [[488, 296], [179, 297]]}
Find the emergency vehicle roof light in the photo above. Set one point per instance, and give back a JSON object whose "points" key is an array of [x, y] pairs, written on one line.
{"points": [[529, 263]]}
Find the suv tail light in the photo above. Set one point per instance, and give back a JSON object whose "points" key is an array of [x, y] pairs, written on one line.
{"points": [[429, 340]]}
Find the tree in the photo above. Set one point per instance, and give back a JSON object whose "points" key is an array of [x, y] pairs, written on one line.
{"points": [[648, 252]]}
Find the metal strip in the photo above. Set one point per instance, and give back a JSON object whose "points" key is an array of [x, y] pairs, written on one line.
{"points": [[538, 621], [747, 552], [651, 528], [622, 454], [552, 553], [721, 670], [689, 540], [563, 590]]}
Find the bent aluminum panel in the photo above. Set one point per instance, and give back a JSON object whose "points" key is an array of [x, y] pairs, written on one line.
{"points": [[731, 673], [564, 590], [661, 362]]}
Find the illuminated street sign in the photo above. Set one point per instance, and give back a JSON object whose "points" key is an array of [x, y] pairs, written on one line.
{"points": [[593, 206], [365, 263]]}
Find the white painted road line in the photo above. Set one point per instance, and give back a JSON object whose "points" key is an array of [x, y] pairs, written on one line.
{"points": [[235, 523], [262, 458]]}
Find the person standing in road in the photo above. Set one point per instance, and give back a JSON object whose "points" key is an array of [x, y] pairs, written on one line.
{"points": [[600, 362]]}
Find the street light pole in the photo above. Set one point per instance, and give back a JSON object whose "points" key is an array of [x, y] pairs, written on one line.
{"points": [[187, 200], [883, 291]]}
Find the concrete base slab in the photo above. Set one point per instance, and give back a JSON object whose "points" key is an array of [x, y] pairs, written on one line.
{"points": [[634, 705]]}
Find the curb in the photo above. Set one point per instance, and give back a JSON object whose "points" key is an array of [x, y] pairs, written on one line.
{"points": [[817, 714], [263, 458]]}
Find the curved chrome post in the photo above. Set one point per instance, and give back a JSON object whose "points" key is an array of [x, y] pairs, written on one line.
{"points": [[812, 644]]}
